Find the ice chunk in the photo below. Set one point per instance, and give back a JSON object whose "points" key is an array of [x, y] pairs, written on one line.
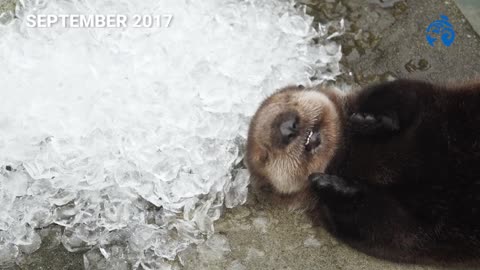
{"points": [[261, 224], [236, 265], [30, 242], [254, 253], [113, 257], [236, 190], [131, 138], [296, 25], [16, 184], [311, 241], [214, 248], [6, 17], [8, 253]]}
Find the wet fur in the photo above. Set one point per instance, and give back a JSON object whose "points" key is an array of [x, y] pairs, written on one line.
{"points": [[410, 193], [286, 168], [404, 186]]}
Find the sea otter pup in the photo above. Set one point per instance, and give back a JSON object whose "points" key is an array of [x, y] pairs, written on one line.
{"points": [[392, 170]]}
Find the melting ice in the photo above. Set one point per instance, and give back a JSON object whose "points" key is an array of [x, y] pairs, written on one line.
{"points": [[128, 137]]}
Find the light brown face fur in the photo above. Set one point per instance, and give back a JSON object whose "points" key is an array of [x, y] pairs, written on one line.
{"points": [[287, 165]]}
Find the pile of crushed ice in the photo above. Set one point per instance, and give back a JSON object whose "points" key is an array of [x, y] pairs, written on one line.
{"points": [[129, 138]]}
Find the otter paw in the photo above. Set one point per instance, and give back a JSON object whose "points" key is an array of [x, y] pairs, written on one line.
{"points": [[363, 118], [325, 182], [390, 122], [371, 124]]}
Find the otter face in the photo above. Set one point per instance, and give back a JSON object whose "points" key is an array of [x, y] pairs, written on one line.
{"points": [[294, 133]]}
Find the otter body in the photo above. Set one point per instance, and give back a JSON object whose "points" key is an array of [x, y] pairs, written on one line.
{"points": [[403, 182]]}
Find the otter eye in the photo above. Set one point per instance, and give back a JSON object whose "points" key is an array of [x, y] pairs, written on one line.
{"points": [[289, 129]]}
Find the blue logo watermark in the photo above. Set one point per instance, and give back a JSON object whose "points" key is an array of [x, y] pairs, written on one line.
{"points": [[442, 28]]}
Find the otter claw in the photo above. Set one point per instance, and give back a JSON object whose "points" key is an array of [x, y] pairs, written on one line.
{"points": [[369, 118], [323, 181], [363, 117], [374, 124]]}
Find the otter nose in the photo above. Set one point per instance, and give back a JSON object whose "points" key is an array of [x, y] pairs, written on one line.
{"points": [[289, 129]]}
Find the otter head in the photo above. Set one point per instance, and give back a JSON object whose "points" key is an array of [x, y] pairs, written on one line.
{"points": [[294, 133]]}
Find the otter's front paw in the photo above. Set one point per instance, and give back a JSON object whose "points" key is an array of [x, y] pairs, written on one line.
{"points": [[371, 124], [330, 183]]}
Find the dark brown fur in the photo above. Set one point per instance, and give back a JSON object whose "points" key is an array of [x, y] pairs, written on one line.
{"points": [[404, 183]]}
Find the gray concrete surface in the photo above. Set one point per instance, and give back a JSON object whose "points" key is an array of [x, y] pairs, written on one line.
{"points": [[390, 42], [402, 50], [384, 39], [471, 10]]}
